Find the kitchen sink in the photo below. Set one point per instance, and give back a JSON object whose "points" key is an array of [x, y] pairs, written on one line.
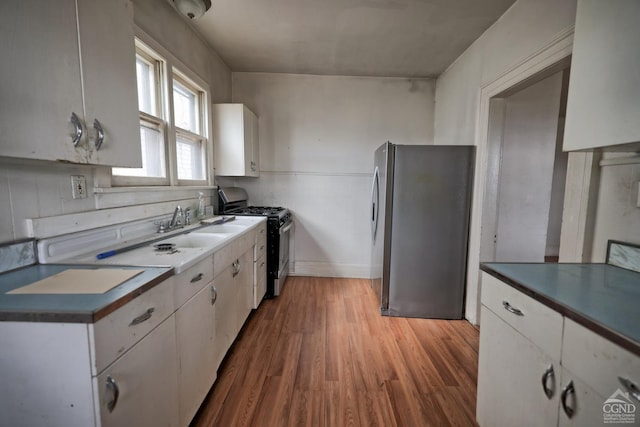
{"points": [[221, 229], [196, 240]]}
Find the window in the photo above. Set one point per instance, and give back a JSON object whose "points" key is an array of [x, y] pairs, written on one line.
{"points": [[173, 140]]}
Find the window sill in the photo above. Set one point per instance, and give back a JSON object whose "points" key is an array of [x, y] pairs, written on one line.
{"points": [[115, 197]]}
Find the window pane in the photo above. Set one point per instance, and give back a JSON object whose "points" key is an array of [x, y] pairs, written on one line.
{"points": [[185, 105], [190, 158], [145, 72], [153, 157]]}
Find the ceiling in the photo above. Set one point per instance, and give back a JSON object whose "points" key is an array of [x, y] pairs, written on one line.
{"points": [[399, 38]]}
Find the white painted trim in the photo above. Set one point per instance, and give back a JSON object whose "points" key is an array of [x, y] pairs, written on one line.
{"points": [[41, 228], [328, 269], [311, 173], [115, 197], [557, 49]]}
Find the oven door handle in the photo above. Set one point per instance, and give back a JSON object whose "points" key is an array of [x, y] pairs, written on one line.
{"points": [[287, 228]]}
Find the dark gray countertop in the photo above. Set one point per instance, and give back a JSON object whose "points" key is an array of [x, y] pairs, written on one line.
{"points": [[601, 297], [70, 308]]}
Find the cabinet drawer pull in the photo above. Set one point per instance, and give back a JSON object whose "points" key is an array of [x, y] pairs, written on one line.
{"points": [[214, 295], [548, 374], [75, 120], [113, 386], [262, 264], [197, 278], [633, 389], [99, 134], [143, 317], [262, 247], [569, 389], [236, 267], [512, 309]]}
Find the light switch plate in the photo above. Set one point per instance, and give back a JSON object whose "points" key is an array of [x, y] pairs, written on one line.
{"points": [[78, 186]]}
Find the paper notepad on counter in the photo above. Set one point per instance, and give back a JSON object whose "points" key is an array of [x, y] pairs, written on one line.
{"points": [[79, 282]]}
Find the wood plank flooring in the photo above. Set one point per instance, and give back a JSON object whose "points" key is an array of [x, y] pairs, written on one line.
{"points": [[321, 355]]}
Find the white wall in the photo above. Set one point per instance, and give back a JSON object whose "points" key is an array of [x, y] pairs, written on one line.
{"points": [[526, 28], [36, 190], [317, 139]]}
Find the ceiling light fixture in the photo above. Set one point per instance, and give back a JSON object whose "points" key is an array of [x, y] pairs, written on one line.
{"points": [[192, 9]]}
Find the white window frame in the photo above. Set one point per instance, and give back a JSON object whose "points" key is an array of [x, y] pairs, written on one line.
{"points": [[170, 68]]}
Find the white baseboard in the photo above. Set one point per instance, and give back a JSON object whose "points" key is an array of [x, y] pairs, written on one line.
{"points": [[329, 269]]}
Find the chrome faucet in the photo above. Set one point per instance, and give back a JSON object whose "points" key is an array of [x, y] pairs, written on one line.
{"points": [[176, 219]]}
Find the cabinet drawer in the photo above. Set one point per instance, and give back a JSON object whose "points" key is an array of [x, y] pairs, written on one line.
{"points": [[261, 245], [260, 275], [142, 386], [190, 281], [597, 361], [537, 322], [243, 243], [116, 333], [222, 259]]}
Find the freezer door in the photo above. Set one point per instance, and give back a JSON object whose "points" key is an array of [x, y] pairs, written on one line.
{"points": [[379, 215], [432, 188]]}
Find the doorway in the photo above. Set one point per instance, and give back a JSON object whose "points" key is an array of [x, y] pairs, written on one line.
{"points": [[526, 170]]}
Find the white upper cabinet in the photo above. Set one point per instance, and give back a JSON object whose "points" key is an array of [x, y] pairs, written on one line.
{"points": [[59, 61], [235, 136], [604, 87], [109, 75]]}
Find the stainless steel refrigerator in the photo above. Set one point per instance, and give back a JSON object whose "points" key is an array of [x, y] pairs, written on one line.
{"points": [[420, 209]]}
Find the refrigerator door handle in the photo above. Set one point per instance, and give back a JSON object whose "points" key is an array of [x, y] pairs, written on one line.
{"points": [[375, 203]]}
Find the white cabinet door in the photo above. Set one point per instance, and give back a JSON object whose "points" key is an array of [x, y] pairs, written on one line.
{"points": [[244, 287], [195, 331], [235, 137], [604, 87], [109, 77], [40, 83], [584, 404], [141, 387], [510, 372], [225, 313]]}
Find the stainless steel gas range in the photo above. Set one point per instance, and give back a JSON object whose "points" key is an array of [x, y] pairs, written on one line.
{"points": [[234, 201]]}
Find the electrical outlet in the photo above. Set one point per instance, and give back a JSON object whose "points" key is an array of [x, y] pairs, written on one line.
{"points": [[78, 186]]}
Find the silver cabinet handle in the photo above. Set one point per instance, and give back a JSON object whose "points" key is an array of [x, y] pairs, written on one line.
{"points": [[113, 386], [75, 120], [197, 278], [569, 389], [214, 295], [261, 247], [633, 389], [143, 317], [99, 134], [253, 165], [236, 267], [262, 264], [512, 309], [548, 374]]}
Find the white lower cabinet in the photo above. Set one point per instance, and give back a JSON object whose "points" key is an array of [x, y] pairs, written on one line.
{"points": [[517, 346], [581, 401], [510, 378], [140, 388], [196, 338], [244, 287], [225, 314]]}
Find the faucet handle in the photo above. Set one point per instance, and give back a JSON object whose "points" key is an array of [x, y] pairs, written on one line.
{"points": [[187, 216]]}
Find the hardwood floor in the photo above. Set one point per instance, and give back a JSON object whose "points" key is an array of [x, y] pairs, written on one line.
{"points": [[321, 355]]}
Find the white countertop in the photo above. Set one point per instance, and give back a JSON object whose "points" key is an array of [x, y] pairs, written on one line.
{"points": [[209, 239]]}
